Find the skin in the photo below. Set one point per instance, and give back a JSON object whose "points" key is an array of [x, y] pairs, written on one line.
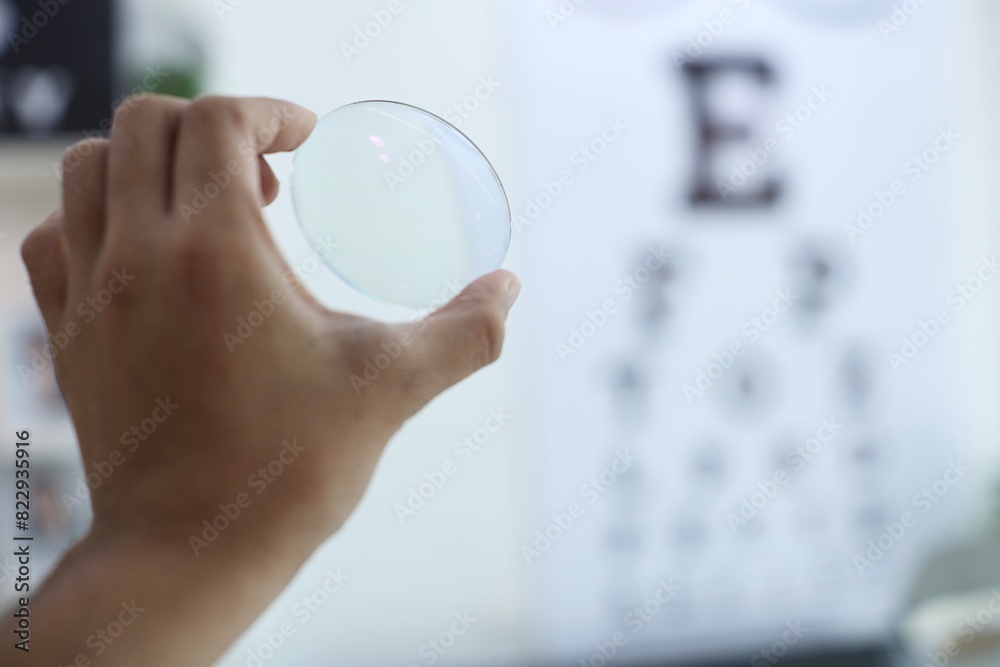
{"points": [[127, 208]]}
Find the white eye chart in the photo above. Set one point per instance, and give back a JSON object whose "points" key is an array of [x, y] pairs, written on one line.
{"points": [[734, 213]]}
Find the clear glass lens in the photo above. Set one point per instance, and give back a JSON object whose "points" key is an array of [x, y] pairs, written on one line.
{"points": [[411, 207]]}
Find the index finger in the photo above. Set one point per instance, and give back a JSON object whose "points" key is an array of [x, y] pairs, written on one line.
{"points": [[219, 142]]}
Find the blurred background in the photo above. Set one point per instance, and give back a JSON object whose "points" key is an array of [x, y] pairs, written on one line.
{"points": [[747, 411]]}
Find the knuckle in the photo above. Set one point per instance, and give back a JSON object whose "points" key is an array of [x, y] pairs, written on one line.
{"points": [[41, 247], [213, 111], [31, 248], [87, 151], [136, 107], [76, 154], [488, 327]]}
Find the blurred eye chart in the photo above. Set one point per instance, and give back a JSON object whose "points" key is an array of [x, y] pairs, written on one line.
{"points": [[744, 353]]}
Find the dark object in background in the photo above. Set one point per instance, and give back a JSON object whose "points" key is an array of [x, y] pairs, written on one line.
{"points": [[874, 657], [56, 66]]}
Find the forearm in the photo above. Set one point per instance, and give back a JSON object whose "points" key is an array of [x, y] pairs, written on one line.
{"points": [[150, 601]]}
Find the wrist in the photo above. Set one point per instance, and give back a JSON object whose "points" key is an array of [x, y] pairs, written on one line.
{"points": [[166, 590], [196, 547]]}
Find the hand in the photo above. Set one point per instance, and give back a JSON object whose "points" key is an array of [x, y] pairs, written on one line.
{"points": [[148, 283]]}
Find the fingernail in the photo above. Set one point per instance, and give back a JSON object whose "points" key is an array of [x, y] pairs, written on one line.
{"points": [[513, 290]]}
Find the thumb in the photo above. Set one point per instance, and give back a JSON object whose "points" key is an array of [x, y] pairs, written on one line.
{"points": [[459, 339]]}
